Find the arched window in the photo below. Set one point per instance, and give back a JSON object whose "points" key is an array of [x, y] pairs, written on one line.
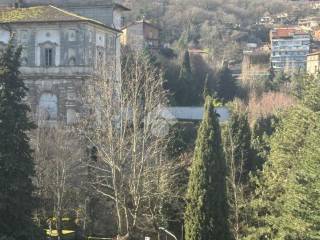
{"points": [[48, 107], [72, 35], [72, 61], [72, 56], [48, 54]]}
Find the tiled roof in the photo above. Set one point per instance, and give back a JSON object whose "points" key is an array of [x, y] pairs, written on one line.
{"points": [[314, 53], [75, 3], [43, 14], [286, 32], [142, 22], [122, 7], [64, 2]]}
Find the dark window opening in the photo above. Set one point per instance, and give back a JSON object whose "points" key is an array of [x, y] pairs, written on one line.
{"points": [[48, 54], [100, 56]]}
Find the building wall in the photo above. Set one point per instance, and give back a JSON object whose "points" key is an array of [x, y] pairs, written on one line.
{"points": [[134, 37], [151, 35], [313, 63], [290, 53], [317, 35], [255, 67], [124, 37], [102, 14], [6, 3], [117, 19], [140, 35], [80, 42]]}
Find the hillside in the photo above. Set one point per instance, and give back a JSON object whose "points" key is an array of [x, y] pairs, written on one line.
{"points": [[220, 26]]}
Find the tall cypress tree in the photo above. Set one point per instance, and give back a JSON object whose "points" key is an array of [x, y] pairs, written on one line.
{"points": [[185, 88], [206, 216], [263, 129], [226, 85], [206, 90], [238, 144], [16, 164]]}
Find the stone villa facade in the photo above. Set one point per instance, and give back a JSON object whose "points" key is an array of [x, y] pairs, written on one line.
{"points": [[62, 45]]}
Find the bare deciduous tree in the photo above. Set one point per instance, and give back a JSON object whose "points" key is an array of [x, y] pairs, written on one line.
{"points": [[235, 188], [123, 122], [58, 170]]}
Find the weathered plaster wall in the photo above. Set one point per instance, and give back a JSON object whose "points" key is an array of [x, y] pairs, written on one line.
{"points": [[135, 36], [102, 14]]}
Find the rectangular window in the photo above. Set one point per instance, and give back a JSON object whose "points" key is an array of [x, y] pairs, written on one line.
{"points": [[100, 56], [48, 55]]}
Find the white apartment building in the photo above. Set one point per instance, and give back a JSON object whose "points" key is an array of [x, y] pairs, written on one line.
{"points": [[289, 49]]}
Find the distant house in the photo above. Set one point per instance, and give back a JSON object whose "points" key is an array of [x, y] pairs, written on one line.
{"points": [[313, 63], [140, 35], [309, 23], [281, 18], [289, 48], [266, 19], [255, 66], [316, 35], [315, 4]]}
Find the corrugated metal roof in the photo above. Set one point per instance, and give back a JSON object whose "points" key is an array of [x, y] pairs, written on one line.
{"points": [[191, 113]]}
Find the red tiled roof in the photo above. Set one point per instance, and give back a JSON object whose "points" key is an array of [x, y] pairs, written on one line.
{"points": [[286, 32]]}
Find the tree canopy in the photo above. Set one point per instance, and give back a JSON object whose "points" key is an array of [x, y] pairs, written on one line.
{"points": [[286, 200], [16, 163], [206, 214]]}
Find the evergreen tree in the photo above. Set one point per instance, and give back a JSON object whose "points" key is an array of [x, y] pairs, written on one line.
{"points": [[183, 40], [185, 91], [263, 129], [307, 185], [286, 201], [226, 85], [278, 81], [16, 164], [206, 215], [237, 145], [206, 90], [310, 94], [274, 208]]}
